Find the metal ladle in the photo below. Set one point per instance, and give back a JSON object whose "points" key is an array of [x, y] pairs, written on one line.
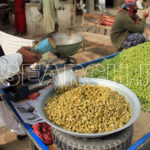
{"points": [[65, 78]]}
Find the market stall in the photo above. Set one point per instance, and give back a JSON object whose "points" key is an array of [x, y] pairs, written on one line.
{"points": [[66, 46], [58, 135]]}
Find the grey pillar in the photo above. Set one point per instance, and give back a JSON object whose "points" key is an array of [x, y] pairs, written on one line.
{"points": [[90, 6]]}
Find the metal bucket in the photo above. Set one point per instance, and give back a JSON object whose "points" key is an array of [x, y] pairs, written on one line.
{"points": [[127, 93]]}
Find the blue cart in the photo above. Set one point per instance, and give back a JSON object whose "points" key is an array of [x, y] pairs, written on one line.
{"points": [[142, 144]]}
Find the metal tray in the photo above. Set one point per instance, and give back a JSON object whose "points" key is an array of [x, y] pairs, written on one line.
{"points": [[129, 96]]}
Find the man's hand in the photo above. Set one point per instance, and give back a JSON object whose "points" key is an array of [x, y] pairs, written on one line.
{"points": [[29, 57], [137, 21], [146, 32], [145, 15]]}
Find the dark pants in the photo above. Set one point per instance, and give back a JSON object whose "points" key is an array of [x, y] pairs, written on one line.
{"points": [[133, 39], [1, 51], [1, 54]]}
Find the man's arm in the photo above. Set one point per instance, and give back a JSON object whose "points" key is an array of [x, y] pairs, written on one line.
{"points": [[57, 4], [10, 65], [133, 27]]}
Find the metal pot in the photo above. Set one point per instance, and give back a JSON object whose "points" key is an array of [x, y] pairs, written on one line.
{"points": [[66, 44], [127, 93]]}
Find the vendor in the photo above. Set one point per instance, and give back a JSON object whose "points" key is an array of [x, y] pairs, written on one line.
{"points": [[10, 66], [127, 30]]}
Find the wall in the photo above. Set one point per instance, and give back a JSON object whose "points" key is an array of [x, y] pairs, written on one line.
{"points": [[118, 3], [34, 20], [64, 16]]}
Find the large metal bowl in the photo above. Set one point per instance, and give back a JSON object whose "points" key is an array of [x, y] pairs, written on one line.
{"points": [[66, 44], [129, 96]]}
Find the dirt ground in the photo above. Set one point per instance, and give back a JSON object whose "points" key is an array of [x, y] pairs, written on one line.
{"points": [[141, 127]]}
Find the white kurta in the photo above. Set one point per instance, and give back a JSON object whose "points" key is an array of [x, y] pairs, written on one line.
{"points": [[49, 9], [101, 5], [9, 66], [139, 4]]}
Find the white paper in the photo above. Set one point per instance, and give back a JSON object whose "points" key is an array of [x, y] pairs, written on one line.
{"points": [[28, 117]]}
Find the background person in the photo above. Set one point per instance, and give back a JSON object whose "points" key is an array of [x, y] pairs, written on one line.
{"points": [[81, 5], [128, 28], [19, 17], [101, 5], [49, 8]]}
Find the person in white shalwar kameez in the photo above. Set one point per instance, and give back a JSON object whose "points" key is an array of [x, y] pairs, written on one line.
{"points": [[10, 66], [139, 3], [101, 5]]}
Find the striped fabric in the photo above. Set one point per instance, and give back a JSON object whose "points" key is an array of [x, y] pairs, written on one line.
{"points": [[11, 44]]}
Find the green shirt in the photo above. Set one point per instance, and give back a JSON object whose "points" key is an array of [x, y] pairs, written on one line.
{"points": [[124, 25]]}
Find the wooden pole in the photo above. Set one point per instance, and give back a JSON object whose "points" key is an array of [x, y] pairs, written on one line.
{"points": [[74, 13]]}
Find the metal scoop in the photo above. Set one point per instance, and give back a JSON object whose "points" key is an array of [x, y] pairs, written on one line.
{"points": [[65, 78]]}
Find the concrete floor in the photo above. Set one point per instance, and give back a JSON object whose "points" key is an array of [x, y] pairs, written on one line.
{"points": [[9, 141], [141, 127]]}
